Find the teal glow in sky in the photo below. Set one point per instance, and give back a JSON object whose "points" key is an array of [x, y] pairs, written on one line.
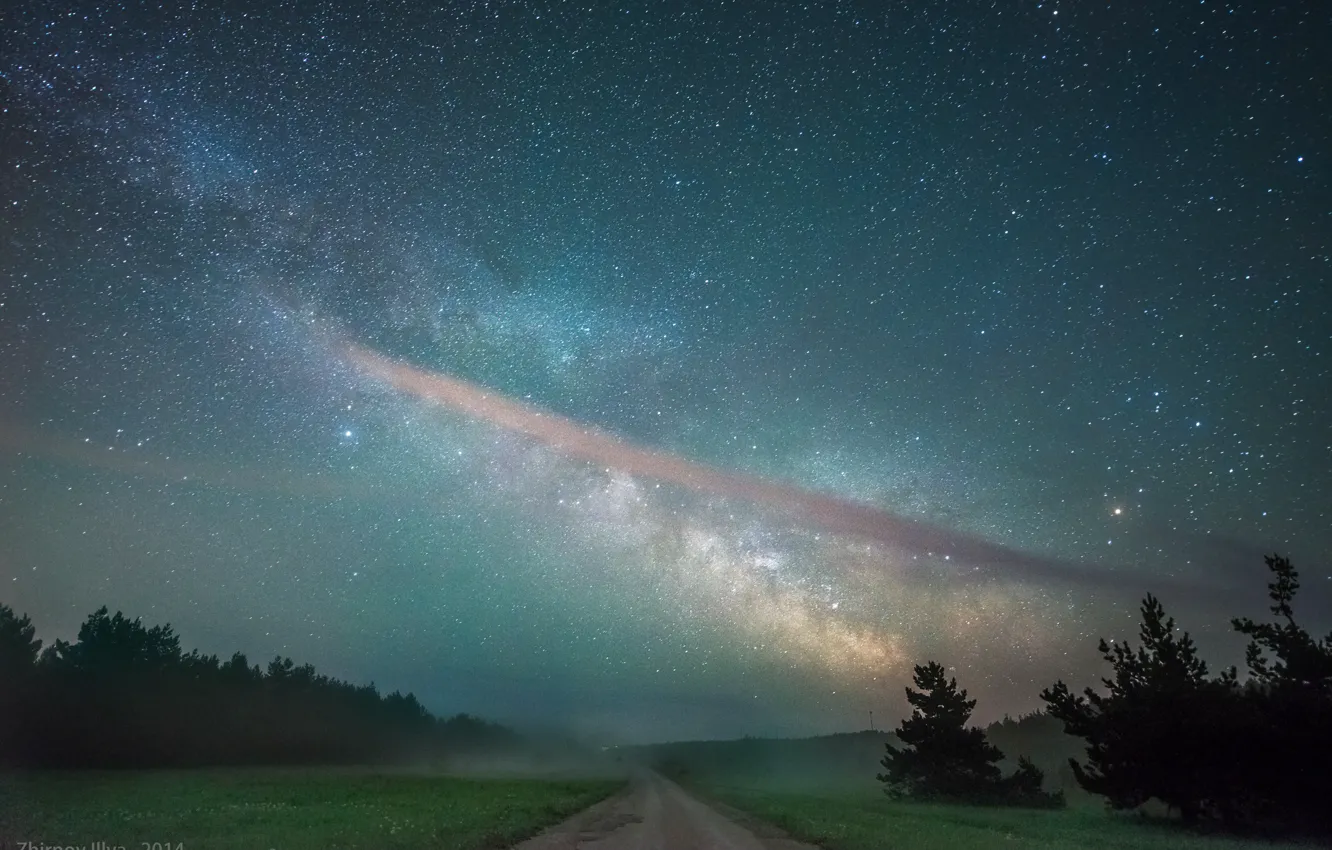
{"points": [[1039, 300]]}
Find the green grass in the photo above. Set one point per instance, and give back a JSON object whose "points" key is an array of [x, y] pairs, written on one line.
{"points": [[283, 808], [863, 821]]}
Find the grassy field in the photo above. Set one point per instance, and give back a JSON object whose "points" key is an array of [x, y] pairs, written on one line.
{"points": [[283, 809], [867, 821]]}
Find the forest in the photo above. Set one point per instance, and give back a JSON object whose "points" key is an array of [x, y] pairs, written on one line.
{"points": [[126, 695]]}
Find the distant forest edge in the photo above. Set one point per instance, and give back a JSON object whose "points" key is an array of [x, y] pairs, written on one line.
{"points": [[125, 695]]}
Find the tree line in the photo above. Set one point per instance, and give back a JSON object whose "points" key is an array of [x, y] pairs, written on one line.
{"points": [[1242, 752], [126, 695]]}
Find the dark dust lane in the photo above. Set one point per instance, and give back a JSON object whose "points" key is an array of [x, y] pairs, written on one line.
{"points": [[655, 814]]}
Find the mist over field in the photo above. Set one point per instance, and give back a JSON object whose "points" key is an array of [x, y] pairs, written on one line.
{"points": [[679, 419]]}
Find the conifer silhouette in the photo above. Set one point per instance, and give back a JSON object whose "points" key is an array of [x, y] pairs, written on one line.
{"points": [[943, 757]]}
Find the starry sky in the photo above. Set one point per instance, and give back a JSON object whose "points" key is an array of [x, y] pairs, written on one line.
{"points": [[665, 370]]}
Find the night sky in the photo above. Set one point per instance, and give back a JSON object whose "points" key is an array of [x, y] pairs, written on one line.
{"points": [[662, 370]]}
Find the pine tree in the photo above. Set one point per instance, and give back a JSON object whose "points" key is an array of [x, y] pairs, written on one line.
{"points": [[1283, 654], [19, 646], [943, 757], [19, 649], [1160, 729], [1290, 704]]}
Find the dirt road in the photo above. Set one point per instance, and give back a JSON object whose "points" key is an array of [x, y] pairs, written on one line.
{"points": [[657, 814]]}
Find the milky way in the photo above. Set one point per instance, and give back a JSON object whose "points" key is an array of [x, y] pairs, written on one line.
{"points": [[673, 370], [587, 443]]}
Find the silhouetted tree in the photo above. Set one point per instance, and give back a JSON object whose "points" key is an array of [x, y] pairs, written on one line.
{"points": [[944, 758], [1289, 750], [1026, 781], [1283, 655], [1157, 730], [19, 646], [114, 645], [19, 650]]}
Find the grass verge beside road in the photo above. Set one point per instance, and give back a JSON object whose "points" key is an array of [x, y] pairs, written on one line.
{"points": [[870, 821], [288, 809]]}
